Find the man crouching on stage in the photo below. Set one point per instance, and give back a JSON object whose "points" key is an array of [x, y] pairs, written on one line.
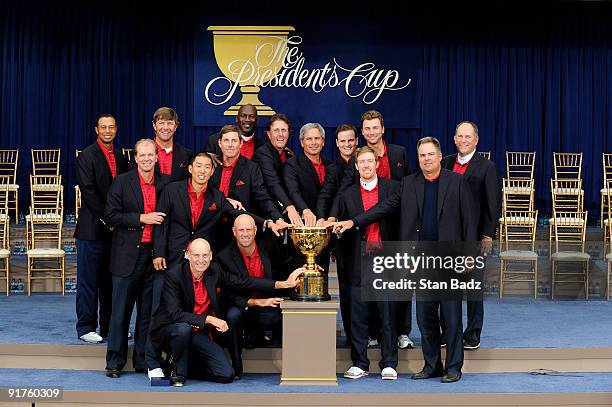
{"points": [[189, 319]]}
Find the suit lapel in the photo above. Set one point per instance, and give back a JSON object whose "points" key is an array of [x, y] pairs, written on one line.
{"points": [[239, 261], [211, 290], [442, 188], [137, 191], [208, 201], [309, 168], [102, 163], [188, 281], [419, 186], [175, 159], [473, 166], [265, 261], [185, 201], [449, 162], [238, 169]]}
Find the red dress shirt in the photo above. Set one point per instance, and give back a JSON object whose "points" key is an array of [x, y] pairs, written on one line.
{"points": [[460, 168], [110, 158], [253, 264], [320, 169], [195, 203], [164, 159], [226, 177], [283, 155], [202, 302], [248, 148], [373, 238], [384, 169], [150, 200]]}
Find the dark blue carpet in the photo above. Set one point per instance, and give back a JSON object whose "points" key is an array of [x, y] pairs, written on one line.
{"points": [[509, 323], [268, 383]]}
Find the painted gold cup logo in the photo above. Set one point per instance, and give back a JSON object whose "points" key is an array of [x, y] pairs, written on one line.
{"points": [[250, 56]]}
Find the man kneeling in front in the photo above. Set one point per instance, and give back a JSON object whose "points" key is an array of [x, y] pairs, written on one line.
{"points": [[189, 321]]}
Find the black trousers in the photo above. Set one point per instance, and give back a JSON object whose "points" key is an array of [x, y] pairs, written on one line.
{"points": [[360, 315], [475, 310], [94, 286], [196, 355], [137, 288], [153, 358], [254, 321], [429, 325]]}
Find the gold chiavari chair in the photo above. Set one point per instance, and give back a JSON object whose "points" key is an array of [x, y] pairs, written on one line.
{"points": [[607, 175], [128, 153], [567, 196], [567, 165], [46, 198], [46, 162], [45, 256], [570, 233], [8, 167], [485, 154], [518, 245], [608, 235], [5, 250], [520, 165], [517, 195]]}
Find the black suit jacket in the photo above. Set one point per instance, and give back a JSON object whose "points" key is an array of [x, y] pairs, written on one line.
{"points": [[348, 247], [277, 266], [330, 188], [212, 145], [271, 167], [178, 298], [302, 182], [95, 178], [247, 186], [181, 158], [170, 239], [124, 205], [455, 222], [399, 167], [481, 175]]}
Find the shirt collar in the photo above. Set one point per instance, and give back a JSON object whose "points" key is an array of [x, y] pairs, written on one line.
{"points": [[247, 139], [142, 180], [104, 149], [369, 185], [466, 159], [167, 150]]}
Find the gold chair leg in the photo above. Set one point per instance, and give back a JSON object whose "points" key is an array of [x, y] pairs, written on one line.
{"points": [[29, 277], [16, 207], [7, 276]]}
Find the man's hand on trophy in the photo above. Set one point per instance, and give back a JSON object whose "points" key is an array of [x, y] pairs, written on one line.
{"points": [[280, 222], [219, 324], [310, 218], [274, 228], [291, 281], [236, 204], [341, 227], [294, 216], [326, 222], [159, 263]]}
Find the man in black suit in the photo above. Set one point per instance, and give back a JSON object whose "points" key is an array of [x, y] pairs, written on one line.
{"points": [[130, 210], [173, 158], [481, 175], [355, 311], [434, 205], [97, 166], [240, 179], [271, 158], [255, 315], [189, 319], [346, 141], [246, 121], [193, 209]]}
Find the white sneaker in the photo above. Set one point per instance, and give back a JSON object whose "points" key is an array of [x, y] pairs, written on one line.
{"points": [[388, 373], [355, 373], [404, 341], [156, 373], [91, 337], [372, 342]]}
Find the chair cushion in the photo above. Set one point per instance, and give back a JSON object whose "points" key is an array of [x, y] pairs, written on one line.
{"points": [[567, 221], [518, 190], [568, 191], [47, 187], [47, 216], [518, 255], [12, 187], [4, 253], [522, 219], [46, 252], [604, 191], [569, 256]]}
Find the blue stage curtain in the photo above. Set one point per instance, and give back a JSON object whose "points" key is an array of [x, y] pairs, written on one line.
{"points": [[529, 83]]}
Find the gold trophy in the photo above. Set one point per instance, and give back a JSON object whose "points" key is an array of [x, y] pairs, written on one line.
{"points": [[250, 55], [313, 284]]}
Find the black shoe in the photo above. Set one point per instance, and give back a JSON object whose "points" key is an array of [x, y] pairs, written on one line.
{"points": [[451, 377], [141, 370], [113, 373], [177, 381], [423, 374], [471, 344]]}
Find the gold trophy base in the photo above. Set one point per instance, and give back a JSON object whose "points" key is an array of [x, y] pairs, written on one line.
{"points": [[312, 288], [250, 95]]}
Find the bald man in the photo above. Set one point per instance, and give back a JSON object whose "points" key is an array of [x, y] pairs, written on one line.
{"points": [[257, 314], [190, 321]]}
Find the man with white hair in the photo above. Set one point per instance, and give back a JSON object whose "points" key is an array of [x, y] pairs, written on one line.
{"points": [[190, 319]]}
